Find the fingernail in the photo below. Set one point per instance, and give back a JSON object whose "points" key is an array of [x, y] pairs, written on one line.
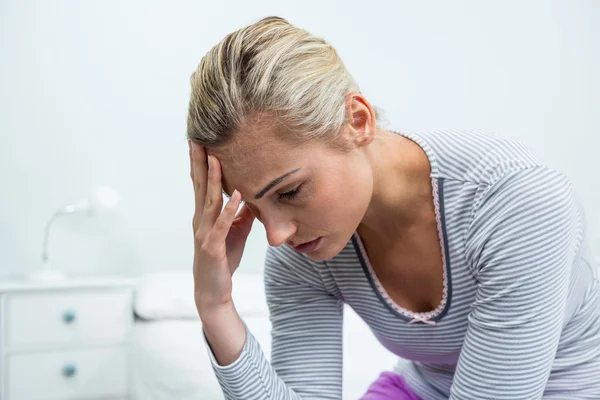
{"points": [[235, 194], [210, 161]]}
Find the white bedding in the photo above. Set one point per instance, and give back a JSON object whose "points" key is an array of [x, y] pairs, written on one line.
{"points": [[169, 359]]}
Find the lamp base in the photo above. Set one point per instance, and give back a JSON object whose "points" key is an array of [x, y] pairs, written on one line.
{"points": [[46, 275]]}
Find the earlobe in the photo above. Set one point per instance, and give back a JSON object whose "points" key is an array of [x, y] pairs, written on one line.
{"points": [[363, 139]]}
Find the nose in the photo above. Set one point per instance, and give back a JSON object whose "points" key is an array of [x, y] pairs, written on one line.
{"points": [[278, 230]]}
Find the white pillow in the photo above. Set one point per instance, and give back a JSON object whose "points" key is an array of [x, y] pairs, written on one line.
{"points": [[170, 295]]}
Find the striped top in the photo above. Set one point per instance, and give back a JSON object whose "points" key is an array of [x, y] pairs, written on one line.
{"points": [[520, 312]]}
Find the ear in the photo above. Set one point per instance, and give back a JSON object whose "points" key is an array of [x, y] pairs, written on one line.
{"points": [[361, 119]]}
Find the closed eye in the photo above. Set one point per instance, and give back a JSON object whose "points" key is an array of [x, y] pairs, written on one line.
{"points": [[289, 195]]}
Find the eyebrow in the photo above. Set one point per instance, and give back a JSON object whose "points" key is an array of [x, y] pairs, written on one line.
{"points": [[270, 185], [273, 183]]}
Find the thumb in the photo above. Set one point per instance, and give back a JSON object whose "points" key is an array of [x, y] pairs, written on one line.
{"points": [[244, 219], [238, 235]]}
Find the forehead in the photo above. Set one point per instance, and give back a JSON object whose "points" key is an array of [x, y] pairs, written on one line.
{"points": [[257, 156]]}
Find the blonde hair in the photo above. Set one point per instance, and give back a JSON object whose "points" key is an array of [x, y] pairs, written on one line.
{"points": [[270, 68]]}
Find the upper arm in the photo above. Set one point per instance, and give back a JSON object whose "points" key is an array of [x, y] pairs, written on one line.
{"points": [[521, 245], [306, 349]]}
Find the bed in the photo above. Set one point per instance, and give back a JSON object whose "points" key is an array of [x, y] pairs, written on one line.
{"points": [[169, 359]]}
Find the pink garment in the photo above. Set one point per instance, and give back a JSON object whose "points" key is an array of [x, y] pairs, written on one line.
{"points": [[389, 386]]}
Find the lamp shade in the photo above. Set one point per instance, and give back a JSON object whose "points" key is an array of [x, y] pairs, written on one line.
{"points": [[103, 199]]}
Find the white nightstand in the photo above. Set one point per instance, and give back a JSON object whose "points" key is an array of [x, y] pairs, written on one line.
{"points": [[65, 340]]}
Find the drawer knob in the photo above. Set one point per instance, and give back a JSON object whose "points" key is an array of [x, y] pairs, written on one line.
{"points": [[69, 316], [69, 370]]}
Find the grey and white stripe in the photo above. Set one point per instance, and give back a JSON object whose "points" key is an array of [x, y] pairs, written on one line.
{"points": [[522, 317]]}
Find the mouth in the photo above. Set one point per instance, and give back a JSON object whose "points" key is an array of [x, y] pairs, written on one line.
{"points": [[308, 246]]}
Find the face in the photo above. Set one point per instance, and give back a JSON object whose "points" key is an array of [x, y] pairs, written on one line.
{"points": [[300, 192]]}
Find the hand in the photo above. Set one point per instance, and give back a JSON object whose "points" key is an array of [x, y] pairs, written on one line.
{"points": [[219, 234]]}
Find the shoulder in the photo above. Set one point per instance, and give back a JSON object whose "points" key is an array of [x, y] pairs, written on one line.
{"points": [[523, 190], [285, 265], [524, 208], [476, 156]]}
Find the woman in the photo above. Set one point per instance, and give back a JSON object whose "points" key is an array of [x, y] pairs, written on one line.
{"points": [[463, 253]]}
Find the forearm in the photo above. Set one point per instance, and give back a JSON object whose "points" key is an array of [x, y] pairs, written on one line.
{"points": [[225, 333]]}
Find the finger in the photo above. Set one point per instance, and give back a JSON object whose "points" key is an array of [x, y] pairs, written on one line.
{"points": [[195, 218], [199, 167], [198, 173], [213, 202], [241, 227], [244, 216], [238, 236], [218, 233], [191, 162]]}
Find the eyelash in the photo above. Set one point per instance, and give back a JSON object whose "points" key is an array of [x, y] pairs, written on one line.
{"points": [[289, 195]]}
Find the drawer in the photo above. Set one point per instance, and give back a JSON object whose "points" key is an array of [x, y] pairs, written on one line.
{"points": [[80, 374], [45, 319]]}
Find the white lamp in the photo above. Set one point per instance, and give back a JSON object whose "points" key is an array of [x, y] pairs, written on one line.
{"points": [[104, 197]]}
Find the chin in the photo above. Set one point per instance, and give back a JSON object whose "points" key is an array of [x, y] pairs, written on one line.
{"points": [[327, 250], [319, 256]]}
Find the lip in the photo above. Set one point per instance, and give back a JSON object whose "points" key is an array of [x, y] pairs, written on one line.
{"points": [[309, 246]]}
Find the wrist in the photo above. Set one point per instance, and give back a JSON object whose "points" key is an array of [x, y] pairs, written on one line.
{"points": [[215, 314], [225, 332]]}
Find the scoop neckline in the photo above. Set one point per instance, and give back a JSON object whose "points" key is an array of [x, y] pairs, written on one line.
{"points": [[438, 202]]}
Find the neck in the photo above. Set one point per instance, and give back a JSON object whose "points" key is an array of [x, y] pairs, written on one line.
{"points": [[401, 187]]}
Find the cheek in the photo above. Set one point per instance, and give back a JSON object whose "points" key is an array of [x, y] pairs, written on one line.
{"points": [[352, 195], [349, 185], [343, 197]]}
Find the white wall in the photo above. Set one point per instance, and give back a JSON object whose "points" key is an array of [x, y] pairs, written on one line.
{"points": [[95, 92]]}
